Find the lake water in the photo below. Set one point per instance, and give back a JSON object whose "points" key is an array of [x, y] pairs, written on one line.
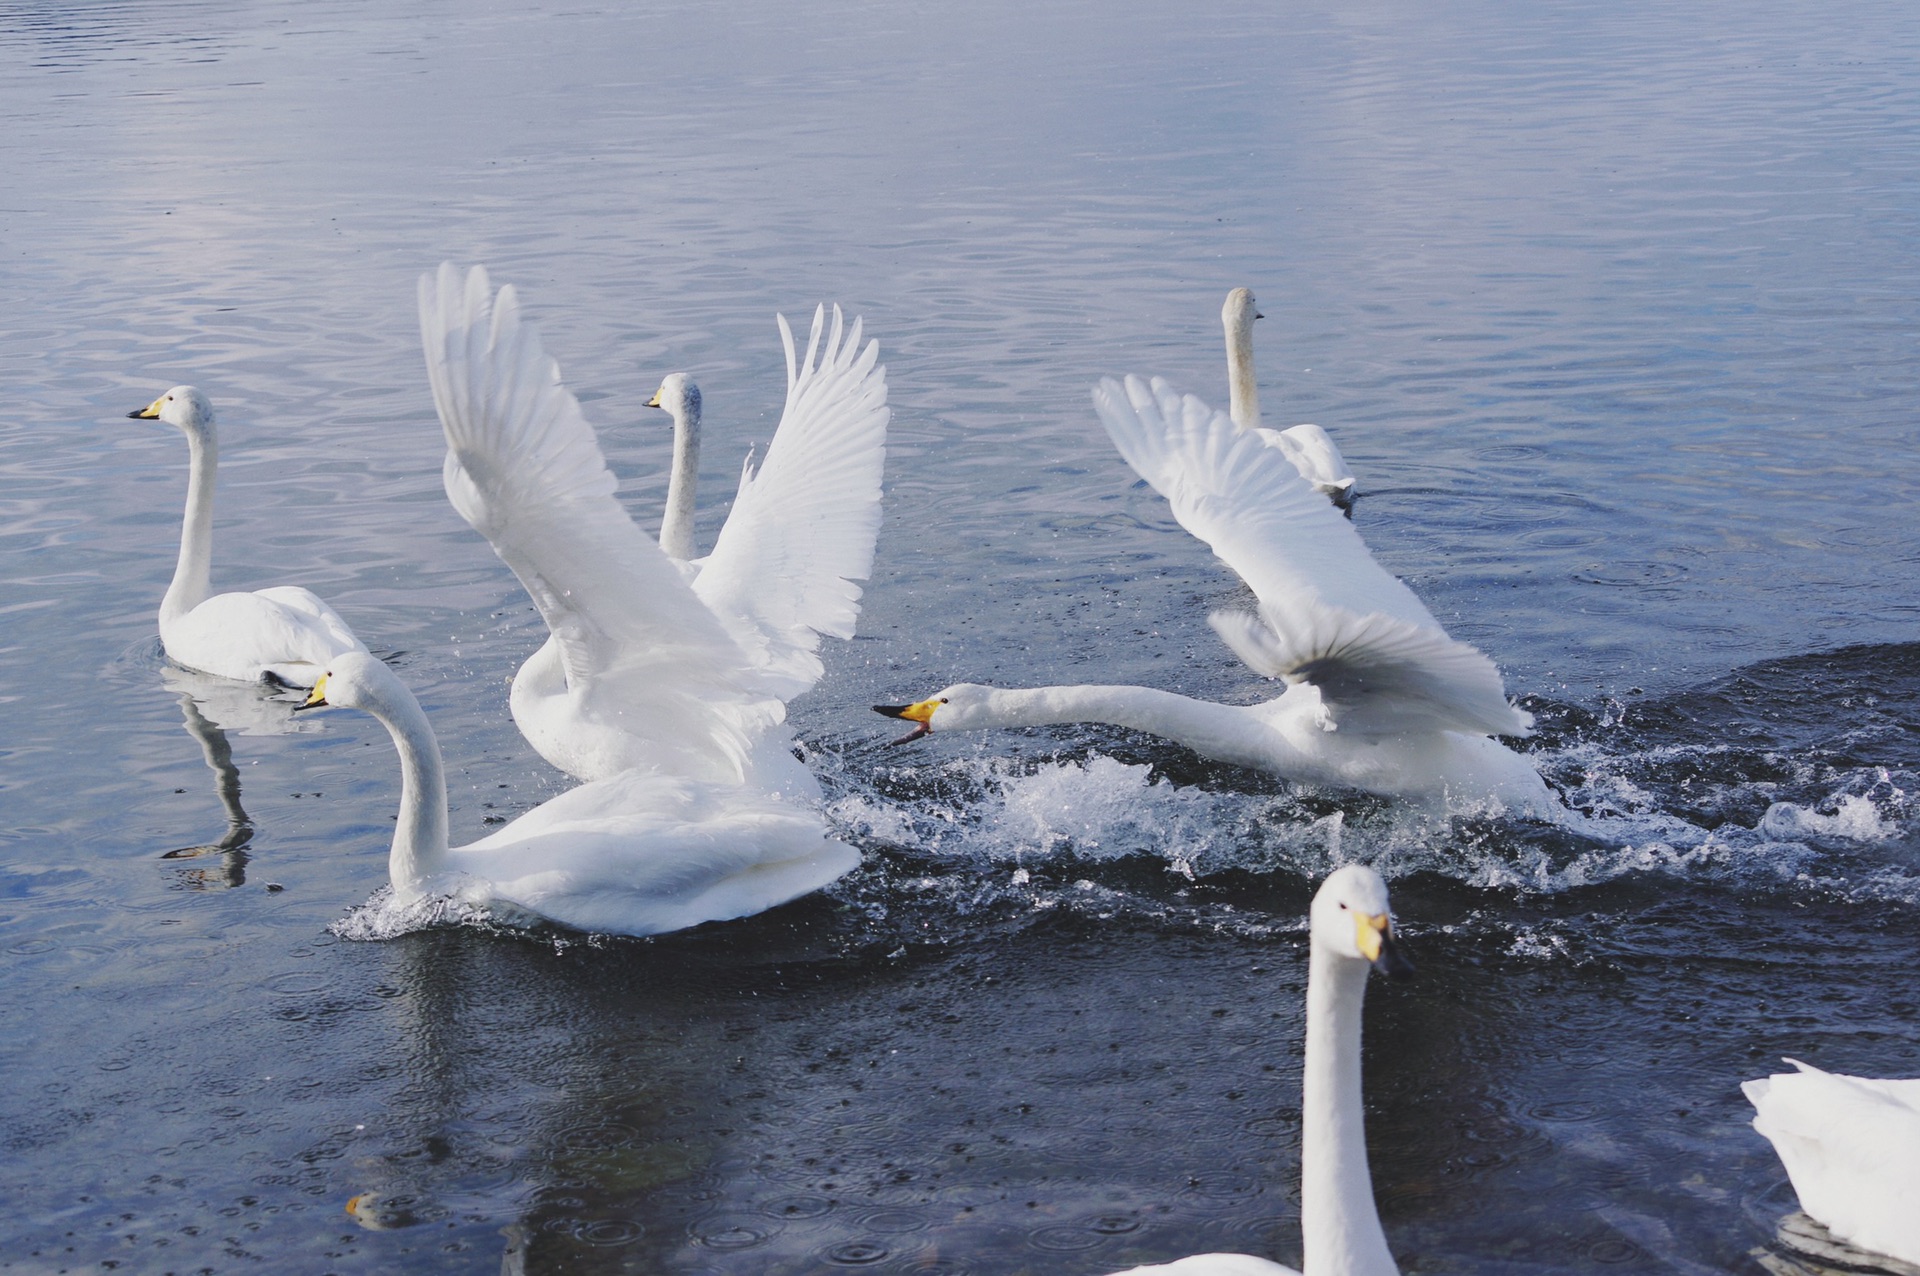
{"points": [[1611, 306]]}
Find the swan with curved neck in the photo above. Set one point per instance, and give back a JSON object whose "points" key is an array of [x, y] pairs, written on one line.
{"points": [[1378, 697], [634, 854], [654, 662], [1351, 931], [680, 397], [1308, 447], [284, 634]]}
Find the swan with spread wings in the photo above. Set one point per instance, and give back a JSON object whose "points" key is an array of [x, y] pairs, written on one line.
{"points": [[1378, 696], [644, 669]]}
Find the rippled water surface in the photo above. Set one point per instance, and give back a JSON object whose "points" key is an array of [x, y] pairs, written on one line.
{"points": [[1611, 306]]}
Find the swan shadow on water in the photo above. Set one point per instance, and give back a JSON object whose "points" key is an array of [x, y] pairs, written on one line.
{"points": [[231, 846]]}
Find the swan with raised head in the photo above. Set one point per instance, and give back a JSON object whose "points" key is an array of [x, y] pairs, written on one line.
{"points": [[1350, 930], [1851, 1146], [283, 634], [1378, 696], [638, 853], [644, 669], [1310, 448]]}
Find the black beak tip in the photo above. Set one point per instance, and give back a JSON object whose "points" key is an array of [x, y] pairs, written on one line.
{"points": [[890, 710], [1394, 963], [136, 414], [310, 704]]}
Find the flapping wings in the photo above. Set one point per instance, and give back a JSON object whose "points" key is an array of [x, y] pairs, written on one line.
{"points": [[803, 525], [640, 651], [1329, 614]]}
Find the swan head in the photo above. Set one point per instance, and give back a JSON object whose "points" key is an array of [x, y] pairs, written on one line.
{"points": [[183, 407], [1240, 312], [354, 680], [963, 705], [1351, 918], [679, 396]]}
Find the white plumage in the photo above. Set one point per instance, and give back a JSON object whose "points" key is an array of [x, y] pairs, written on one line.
{"points": [[1378, 698], [637, 853], [1308, 448], [643, 670], [1350, 931], [1851, 1146], [285, 632]]}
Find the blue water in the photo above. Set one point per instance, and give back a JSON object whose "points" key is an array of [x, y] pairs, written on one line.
{"points": [[1611, 307]]}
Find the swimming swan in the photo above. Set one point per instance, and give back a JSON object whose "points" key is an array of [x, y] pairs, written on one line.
{"points": [[1852, 1148], [284, 634], [636, 854], [1378, 697], [1308, 447], [642, 669], [1351, 928]]}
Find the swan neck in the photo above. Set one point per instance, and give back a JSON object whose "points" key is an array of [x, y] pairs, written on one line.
{"points": [[1339, 1223], [1218, 730], [192, 573], [676, 529], [420, 837], [1245, 393]]}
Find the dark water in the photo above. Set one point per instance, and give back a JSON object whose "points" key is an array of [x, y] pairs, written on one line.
{"points": [[1611, 307]]}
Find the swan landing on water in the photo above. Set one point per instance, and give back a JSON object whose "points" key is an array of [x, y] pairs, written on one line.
{"points": [[1378, 697]]}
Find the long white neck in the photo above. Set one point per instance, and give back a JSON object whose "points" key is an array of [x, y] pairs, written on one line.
{"points": [[1338, 1221], [1245, 404], [420, 838], [1222, 731], [192, 581], [676, 529]]}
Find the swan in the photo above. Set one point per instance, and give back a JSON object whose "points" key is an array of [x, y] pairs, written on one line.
{"points": [[1378, 697], [284, 634], [643, 669], [1308, 447], [638, 853], [1351, 929], [1851, 1146]]}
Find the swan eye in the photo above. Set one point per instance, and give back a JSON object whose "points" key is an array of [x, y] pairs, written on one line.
{"points": [[1343, 908], [943, 700]]}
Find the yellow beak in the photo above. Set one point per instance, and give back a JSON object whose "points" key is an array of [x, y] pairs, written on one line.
{"points": [[1371, 933], [317, 698], [151, 412], [654, 402]]}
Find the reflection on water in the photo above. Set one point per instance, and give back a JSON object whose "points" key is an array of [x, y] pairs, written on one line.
{"points": [[230, 847]]}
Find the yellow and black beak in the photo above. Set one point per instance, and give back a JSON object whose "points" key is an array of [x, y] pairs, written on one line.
{"points": [[149, 413], [1373, 934], [654, 402], [921, 713], [317, 699]]}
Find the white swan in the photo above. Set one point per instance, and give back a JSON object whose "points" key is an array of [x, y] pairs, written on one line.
{"points": [[642, 669], [635, 854], [285, 633], [1852, 1149], [1379, 698], [1351, 928], [1308, 447]]}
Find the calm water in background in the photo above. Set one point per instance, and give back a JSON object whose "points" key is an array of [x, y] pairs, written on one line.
{"points": [[1611, 307]]}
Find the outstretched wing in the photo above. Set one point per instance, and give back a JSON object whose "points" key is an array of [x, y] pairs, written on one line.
{"points": [[1332, 616], [803, 525], [640, 652]]}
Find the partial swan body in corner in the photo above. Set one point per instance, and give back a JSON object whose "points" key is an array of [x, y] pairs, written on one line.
{"points": [[1309, 448], [284, 634], [1351, 929], [1378, 697], [1851, 1146], [643, 668], [634, 854]]}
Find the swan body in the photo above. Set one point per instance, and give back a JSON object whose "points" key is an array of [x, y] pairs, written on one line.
{"points": [[1308, 448], [656, 663], [1851, 1146], [284, 633], [634, 854], [1378, 697], [1351, 930]]}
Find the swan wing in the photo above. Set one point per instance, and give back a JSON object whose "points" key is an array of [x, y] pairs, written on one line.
{"points": [[1312, 452], [1377, 675], [803, 525], [1249, 504], [639, 650], [1851, 1145]]}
